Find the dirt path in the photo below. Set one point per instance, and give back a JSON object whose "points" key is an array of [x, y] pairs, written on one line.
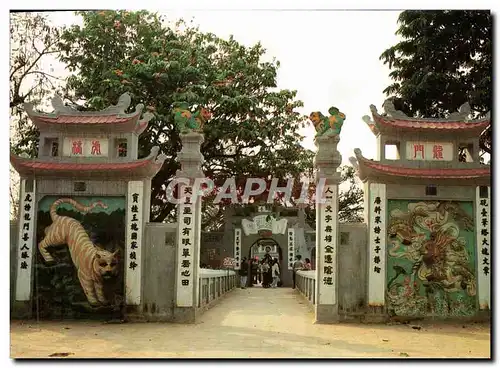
{"points": [[252, 323]]}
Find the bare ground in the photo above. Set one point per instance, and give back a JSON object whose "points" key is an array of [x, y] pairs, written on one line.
{"points": [[250, 323]]}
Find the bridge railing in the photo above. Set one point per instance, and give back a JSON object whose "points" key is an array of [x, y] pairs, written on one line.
{"points": [[214, 284], [305, 282]]}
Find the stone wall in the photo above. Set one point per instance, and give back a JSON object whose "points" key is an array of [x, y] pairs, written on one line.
{"points": [[158, 272], [158, 276], [212, 249], [352, 269]]}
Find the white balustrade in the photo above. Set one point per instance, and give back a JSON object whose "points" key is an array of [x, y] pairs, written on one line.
{"points": [[214, 284], [305, 282]]}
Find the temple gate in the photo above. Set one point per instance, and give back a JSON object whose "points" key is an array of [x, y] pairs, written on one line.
{"points": [[85, 246], [85, 201], [428, 216]]}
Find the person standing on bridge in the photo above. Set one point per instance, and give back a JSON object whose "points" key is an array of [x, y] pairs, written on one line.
{"points": [[276, 273], [255, 271], [307, 265], [297, 266], [243, 272], [250, 273], [266, 282], [259, 273]]}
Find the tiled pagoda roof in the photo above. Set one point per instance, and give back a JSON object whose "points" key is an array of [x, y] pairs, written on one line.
{"points": [[370, 169], [395, 120], [112, 119], [71, 167]]}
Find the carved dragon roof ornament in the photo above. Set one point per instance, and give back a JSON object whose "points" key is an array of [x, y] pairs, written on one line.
{"points": [[390, 110], [462, 115], [112, 119]]}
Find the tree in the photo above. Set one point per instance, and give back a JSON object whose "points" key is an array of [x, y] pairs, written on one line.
{"points": [[350, 201], [444, 60], [253, 130], [33, 39], [13, 195]]}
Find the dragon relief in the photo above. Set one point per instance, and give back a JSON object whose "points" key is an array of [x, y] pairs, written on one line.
{"points": [[327, 125], [427, 237], [188, 122]]}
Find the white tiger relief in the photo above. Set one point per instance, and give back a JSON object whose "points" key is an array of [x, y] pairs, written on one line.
{"points": [[92, 263]]}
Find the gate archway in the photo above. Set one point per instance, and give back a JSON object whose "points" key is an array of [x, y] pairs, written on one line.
{"points": [[262, 246]]}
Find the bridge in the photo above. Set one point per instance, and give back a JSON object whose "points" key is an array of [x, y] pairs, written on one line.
{"points": [[247, 323]]}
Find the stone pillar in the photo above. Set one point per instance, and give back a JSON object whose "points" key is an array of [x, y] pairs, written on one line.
{"points": [[483, 246], [291, 247], [26, 248], [189, 230], [376, 205], [135, 223], [327, 161], [238, 253]]}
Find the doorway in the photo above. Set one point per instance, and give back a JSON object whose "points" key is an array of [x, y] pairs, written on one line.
{"points": [[265, 245], [258, 250]]}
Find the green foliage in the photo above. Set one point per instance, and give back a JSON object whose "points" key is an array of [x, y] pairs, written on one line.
{"points": [[350, 201], [33, 38], [253, 129], [444, 60]]}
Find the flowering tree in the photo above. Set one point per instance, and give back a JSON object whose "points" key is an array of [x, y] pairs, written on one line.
{"points": [[253, 129]]}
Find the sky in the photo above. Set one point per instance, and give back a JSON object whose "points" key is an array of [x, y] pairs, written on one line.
{"points": [[330, 57]]}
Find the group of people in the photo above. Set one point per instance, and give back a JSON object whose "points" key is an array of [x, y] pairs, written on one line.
{"points": [[267, 271]]}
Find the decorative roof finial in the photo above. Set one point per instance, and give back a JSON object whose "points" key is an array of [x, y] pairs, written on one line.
{"points": [[462, 114], [354, 163], [390, 110], [371, 124], [60, 107]]}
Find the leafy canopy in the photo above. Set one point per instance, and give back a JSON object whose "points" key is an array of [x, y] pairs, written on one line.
{"points": [[253, 130], [444, 60], [33, 39]]}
